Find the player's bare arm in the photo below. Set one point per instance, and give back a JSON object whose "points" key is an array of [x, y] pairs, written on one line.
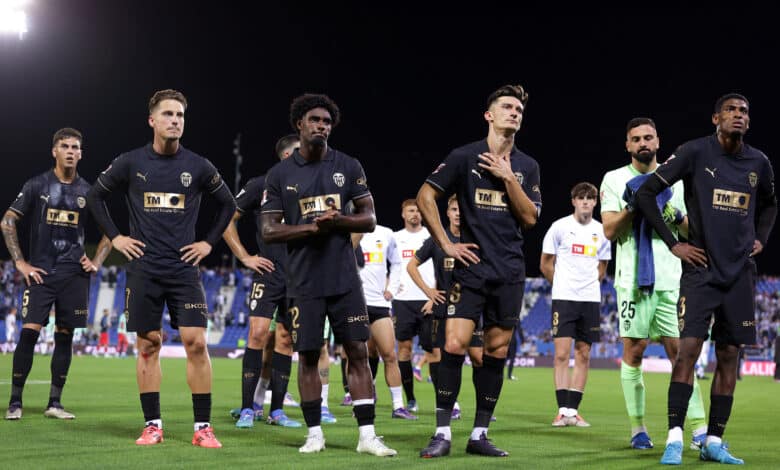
{"points": [[275, 231], [520, 204], [102, 251], [435, 296], [12, 243], [547, 266], [256, 263], [616, 223], [426, 203]]}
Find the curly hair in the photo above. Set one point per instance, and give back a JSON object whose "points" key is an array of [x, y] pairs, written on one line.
{"points": [[306, 102], [516, 91]]}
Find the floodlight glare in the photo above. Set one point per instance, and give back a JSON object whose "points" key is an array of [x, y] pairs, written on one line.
{"points": [[12, 17]]}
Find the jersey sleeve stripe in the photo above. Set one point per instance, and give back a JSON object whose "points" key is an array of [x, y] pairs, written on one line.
{"points": [[434, 185], [16, 210], [662, 179]]}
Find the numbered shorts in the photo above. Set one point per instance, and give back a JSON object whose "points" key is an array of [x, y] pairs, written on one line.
{"points": [[68, 293], [733, 307], [266, 295], [494, 303], [408, 319], [438, 332], [578, 320], [643, 315], [346, 312], [145, 298]]}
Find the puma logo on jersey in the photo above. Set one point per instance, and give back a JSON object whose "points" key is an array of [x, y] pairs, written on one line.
{"points": [[45, 197], [711, 172], [479, 175], [141, 175], [292, 188]]}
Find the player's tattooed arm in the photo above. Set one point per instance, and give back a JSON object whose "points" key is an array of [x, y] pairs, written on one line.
{"points": [[10, 235], [102, 251], [12, 243]]}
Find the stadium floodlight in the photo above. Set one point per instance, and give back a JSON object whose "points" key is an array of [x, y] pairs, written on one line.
{"points": [[12, 17]]}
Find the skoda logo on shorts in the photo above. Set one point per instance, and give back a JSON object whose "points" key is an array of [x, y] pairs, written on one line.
{"points": [[186, 179], [451, 310]]}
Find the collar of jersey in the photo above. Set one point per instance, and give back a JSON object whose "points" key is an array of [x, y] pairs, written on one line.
{"points": [[302, 161], [153, 154]]}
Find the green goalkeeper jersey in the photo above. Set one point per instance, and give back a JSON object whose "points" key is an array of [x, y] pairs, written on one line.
{"points": [[667, 266]]}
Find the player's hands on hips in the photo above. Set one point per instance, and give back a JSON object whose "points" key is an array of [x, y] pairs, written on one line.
{"points": [[30, 272], [258, 263], [427, 309], [497, 165], [462, 252], [130, 247], [87, 265], [690, 254], [195, 252], [388, 295], [436, 296], [758, 247]]}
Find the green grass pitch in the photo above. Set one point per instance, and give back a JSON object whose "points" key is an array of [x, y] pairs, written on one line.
{"points": [[103, 395]]}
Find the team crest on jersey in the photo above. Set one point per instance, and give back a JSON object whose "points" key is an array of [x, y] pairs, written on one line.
{"points": [[338, 178], [186, 179], [594, 237], [753, 179], [362, 181], [519, 177], [81, 202], [215, 179]]}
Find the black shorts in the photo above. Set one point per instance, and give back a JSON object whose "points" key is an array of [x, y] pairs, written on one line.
{"points": [[495, 303], [426, 333], [266, 295], [438, 332], [578, 320], [477, 340], [283, 315], [733, 307], [346, 312], [408, 318], [377, 313], [146, 296], [67, 292]]}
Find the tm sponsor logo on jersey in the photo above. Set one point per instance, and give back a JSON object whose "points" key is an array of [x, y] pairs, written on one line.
{"points": [[491, 199], [163, 202], [585, 250], [730, 201], [316, 205], [62, 218], [407, 254]]}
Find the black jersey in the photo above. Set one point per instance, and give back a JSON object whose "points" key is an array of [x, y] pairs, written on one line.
{"points": [[721, 193], [322, 265], [486, 218], [163, 197], [57, 213], [443, 265], [248, 202]]}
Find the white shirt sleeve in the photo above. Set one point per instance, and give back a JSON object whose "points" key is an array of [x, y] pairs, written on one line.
{"points": [[551, 240]]}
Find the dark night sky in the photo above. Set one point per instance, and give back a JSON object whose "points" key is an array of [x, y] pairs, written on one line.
{"points": [[411, 85]]}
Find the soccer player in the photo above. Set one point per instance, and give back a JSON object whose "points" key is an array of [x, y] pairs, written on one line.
{"points": [[408, 300], [267, 302], [377, 248], [436, 304], [162, 183], [729, 193], [499, 197], [645, 314], [57, 274], [574, 260], [304, 206], [121, 335]]}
